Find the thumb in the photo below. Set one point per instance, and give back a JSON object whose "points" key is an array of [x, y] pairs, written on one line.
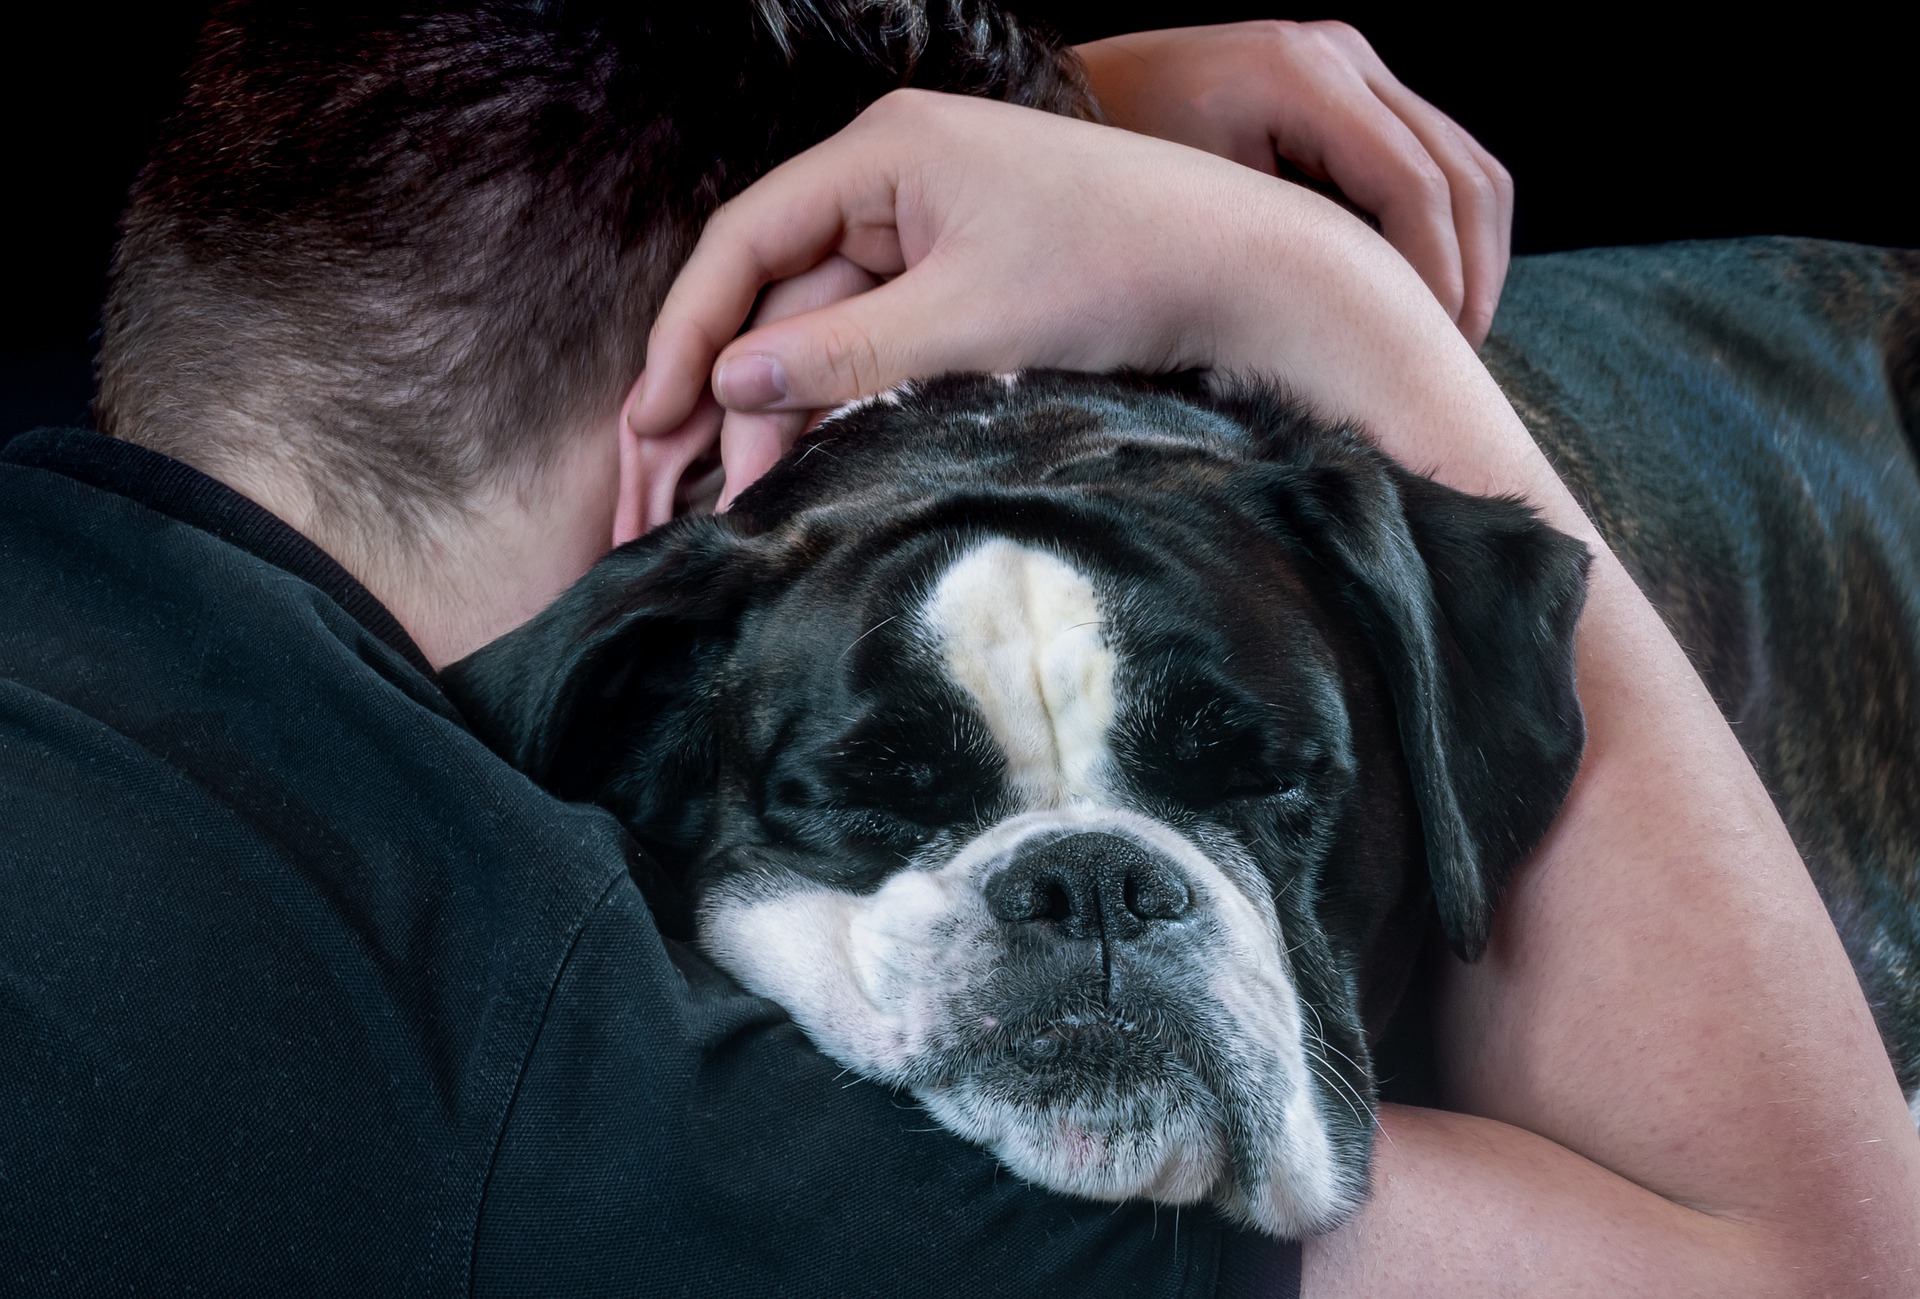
{"points": [[915, 325]]}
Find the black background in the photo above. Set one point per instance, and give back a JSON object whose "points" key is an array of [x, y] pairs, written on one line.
{"points": [[1618, 128]]}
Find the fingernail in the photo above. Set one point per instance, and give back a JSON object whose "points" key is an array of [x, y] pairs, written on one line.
{"points": [[751, 382]]}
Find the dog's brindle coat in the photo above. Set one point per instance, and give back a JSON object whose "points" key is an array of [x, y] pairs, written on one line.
{"points": [[1742, 422], [1090, 755]]}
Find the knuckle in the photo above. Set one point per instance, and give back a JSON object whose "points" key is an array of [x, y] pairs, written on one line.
{"points": [[906, 103], [1501, 178], [1276, 33], [1480, 191], [1342, 35], [1270, 47], [850, 358], [722, 217], [730, 229]]}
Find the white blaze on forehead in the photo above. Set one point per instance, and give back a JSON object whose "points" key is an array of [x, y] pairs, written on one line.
{"points": [[1020, 631]]}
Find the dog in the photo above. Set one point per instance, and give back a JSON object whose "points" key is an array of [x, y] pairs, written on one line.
{"points": [[1023, 739], [1090, 755]]}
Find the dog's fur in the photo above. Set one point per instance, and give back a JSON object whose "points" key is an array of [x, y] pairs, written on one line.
{"points": [[1741, 420], [1089, 755], [1079, 754]]}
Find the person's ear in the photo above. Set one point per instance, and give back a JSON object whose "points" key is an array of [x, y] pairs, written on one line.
{"points": [[1470, 606], [654, 471]]}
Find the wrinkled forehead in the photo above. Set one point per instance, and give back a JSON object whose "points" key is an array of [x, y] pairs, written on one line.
{"points": [[1024, 633], [1047, 644]]}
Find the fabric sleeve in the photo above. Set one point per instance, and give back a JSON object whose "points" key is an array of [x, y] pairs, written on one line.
{"points": [[674, 1135]]}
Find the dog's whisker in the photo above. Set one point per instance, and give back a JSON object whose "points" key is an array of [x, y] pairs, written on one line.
{"points": [[868, 632]]}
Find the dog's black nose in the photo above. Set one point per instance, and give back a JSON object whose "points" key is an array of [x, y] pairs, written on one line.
{"points": [[1092, 885]]}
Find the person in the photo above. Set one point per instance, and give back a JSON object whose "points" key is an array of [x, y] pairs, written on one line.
{"points": [[305, 991]]}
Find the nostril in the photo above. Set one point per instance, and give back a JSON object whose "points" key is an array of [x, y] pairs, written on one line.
{"points": [[1038, 888], [1153, 893], [1016, 895]]}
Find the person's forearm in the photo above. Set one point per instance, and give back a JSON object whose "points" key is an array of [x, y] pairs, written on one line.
{"points": [[1757, 1090], [1464, 1206]]}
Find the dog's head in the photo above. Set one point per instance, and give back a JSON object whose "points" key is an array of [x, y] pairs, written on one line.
{"points": [[1081, 756]]}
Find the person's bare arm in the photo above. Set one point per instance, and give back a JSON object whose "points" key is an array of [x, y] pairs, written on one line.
{"points": [[1677, 1081], [1310, 97], [1663, 995], [1317, 97]]}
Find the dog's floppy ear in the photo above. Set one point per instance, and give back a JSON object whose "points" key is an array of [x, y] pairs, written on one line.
{"points": [[603, 696], [1470, 605]]}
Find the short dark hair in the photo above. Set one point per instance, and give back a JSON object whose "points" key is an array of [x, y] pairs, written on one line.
{"points": [[403, 248]]}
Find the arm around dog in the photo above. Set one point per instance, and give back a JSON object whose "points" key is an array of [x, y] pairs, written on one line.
{"points": [[1678, 1085], [1317, 97]]}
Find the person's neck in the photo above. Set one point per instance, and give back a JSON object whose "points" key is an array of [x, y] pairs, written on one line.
{"points": [[465, 580]]}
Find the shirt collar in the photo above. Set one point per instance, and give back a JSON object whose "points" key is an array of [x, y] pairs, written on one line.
{"points": [[182, 492]]}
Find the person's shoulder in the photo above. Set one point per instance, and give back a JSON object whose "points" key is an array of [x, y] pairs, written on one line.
{"points": [[284, 931]]}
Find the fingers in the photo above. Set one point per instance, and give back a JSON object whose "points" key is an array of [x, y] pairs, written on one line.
{"points": [[1502, 181], [870, 341], [678, 471], [1454, 201], [683, 474], [1480, 200], [755, 378], [1442, 200], [1381, 164], [833, 279], [751, 443], [786, 224]]}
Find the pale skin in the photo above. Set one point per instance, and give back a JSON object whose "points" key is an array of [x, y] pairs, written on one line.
{"points": [[1313, 95], [1668, 1082]]}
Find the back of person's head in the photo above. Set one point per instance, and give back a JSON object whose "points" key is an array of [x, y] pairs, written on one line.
{"points": [[402, 251]]}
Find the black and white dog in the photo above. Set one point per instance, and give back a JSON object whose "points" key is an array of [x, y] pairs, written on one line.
{"points": [[1090, 756], [1078, 754]]}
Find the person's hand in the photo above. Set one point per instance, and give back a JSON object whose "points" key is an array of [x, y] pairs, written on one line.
{"points": [[1317, 96], [1011, 238], [678, 471]]}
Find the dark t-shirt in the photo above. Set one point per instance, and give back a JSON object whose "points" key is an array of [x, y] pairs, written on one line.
{"points": [[302, 990]]}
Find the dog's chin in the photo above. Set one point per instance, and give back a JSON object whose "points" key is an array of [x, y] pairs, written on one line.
{"points": [[1140, 1124], [1154, 1142]]}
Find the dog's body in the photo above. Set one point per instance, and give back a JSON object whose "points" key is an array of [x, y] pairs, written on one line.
{"points": [[1741, 420], [1092, 758]]}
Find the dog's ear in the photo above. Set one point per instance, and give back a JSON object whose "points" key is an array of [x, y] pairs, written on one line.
{"points": [[1469, 603], [604, 695]]}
